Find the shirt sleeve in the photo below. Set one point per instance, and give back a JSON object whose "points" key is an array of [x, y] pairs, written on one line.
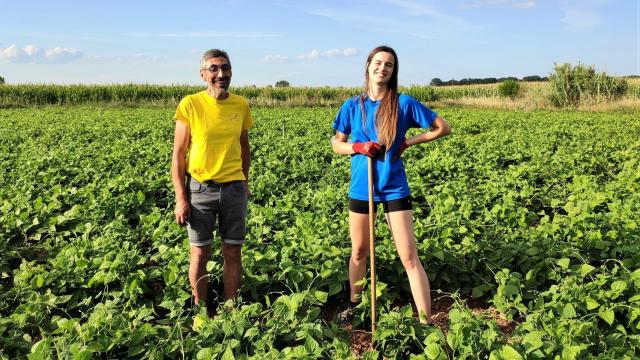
{"points": [[247, 123], [342, 122], [421, 116], [184, 111]]}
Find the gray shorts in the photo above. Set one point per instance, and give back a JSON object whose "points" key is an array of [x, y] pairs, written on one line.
{"points": [[227, 202]]}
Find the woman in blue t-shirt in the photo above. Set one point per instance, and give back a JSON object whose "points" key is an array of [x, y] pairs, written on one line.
{"points": [[378, 121]]}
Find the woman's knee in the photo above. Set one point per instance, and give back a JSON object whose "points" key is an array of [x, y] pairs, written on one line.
{"points": [[410, 261], [359, 254]]}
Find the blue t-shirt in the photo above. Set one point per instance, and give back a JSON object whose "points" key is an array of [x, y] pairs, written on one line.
{"points": [[389, 178]]}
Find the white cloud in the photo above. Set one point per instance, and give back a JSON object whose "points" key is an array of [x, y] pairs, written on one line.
{"points": [[205, 34], [275, 57], [524, 4], [150, 58], [32, 53], [484, 3], [60, 55], [313, 55], [350, 52], [331, 53]]}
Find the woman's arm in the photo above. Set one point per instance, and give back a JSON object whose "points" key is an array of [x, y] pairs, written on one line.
{"points": [[340, 145], [439, 129]]}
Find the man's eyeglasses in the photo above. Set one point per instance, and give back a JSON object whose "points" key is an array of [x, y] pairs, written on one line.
{"points": [[214, 69]]}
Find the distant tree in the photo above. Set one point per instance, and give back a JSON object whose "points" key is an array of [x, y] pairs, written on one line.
{"points": [[436, 82], [532, 78], [282, 83], [509, 88], [1, 80]]}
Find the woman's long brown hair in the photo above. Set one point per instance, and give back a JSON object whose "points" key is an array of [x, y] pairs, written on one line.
{"points": [[387, 113]]}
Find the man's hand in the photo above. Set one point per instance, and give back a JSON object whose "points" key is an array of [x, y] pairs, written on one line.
{"points": [[182, 212], [369, 148], [247, 191]]}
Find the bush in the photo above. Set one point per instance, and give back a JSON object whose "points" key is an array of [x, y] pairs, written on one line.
{"points": [[509, 88], [1, 80], [282, 83], [571, 86]]}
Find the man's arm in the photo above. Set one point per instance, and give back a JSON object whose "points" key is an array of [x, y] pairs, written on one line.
{"points": [[246, 157], [178, 167]]}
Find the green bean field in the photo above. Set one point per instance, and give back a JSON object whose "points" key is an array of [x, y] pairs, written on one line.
{"points": [[527, 224]]}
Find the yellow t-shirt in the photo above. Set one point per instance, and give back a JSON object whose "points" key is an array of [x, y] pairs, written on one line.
{"points": [[215, 127]]}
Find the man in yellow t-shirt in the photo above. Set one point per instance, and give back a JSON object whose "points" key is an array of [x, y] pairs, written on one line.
{"points": [[210, 173]]}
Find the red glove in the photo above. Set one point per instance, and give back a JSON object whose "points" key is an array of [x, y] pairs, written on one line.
{"points": [[404, 146], [369, 148]]}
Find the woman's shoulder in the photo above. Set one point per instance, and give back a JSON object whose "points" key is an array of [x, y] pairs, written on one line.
{"points": [[351, 102], [406, 99]]}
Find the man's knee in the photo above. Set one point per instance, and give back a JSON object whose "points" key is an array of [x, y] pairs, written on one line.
{"points": [[231, 252], [200, 256]]}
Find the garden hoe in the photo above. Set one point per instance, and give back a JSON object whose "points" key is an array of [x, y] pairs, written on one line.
{"points": [[372, 253]]}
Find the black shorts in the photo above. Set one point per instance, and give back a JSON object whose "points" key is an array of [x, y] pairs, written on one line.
{"points": [[362, 207]]}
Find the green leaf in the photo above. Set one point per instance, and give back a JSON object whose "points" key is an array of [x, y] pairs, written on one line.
{"points": [[619, 286], [479, 290], [40, 350], [607, 315], [571, 352], [433, 351], [568, 311], [507, 352], [371, 355], [321, 296], [564, 263], [586, 269], [591, 304], [312, 346], [533, 341], [39, 281], [228, 354]]}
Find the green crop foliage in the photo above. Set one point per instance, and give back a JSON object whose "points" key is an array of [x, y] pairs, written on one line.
{"points": [[534, 212]]}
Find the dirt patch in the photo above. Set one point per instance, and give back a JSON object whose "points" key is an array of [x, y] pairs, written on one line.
{"points": [[442, 305], [360, 341]]}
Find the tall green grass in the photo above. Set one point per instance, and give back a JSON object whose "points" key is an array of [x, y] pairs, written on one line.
{"points": [[580, 84], [170, 95], [36, 94]]}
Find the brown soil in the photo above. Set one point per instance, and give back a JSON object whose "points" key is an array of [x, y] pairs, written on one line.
{"points": [[361, 339], [442, 305]]}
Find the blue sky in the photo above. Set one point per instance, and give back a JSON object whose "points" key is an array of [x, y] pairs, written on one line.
{"points": [[311, 43]]}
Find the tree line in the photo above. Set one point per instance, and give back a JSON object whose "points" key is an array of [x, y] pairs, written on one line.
{"points": [[491, 80]]}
